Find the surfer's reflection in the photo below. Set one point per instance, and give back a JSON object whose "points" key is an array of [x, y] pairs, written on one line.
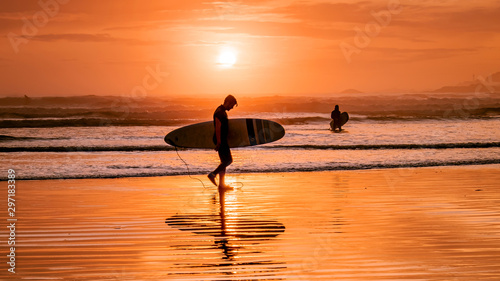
{"points": [[238, 237], [229, 252]]}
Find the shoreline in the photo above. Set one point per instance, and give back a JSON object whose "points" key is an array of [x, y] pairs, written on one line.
{"points": [[373, 168]]}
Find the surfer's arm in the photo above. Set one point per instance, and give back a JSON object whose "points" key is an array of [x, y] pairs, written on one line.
{"points": [[217, 133]]}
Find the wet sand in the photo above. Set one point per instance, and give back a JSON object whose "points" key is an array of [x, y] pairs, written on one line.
{"points": [[439, 223]]}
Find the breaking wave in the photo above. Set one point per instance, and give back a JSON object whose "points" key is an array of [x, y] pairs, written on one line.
{"points": [[387, 146], [152, 148], [128, 171]]}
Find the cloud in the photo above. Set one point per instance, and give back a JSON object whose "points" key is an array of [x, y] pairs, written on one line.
{"points": [[204, 43], [329, 12], [474, 19], [88, 38], [424, 54], [329, 21], [280, 30], [242, 11], [415, 23]]}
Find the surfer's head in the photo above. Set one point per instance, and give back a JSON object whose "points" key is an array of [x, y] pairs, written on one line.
{"points": [[230, 102]]}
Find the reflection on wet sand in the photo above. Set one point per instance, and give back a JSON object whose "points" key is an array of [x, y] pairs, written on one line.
{"points": [[238, 237], [401, 224]]}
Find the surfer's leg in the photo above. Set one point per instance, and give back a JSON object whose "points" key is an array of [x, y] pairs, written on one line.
{"points": [[218, 170], [337, 125], [226, 159], [225, 156]]}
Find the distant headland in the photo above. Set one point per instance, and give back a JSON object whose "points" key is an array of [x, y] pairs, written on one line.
{"points": [[482, 84]]}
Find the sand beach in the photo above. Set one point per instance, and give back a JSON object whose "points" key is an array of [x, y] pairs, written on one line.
{"points": [[404, 186], [437, 223]]}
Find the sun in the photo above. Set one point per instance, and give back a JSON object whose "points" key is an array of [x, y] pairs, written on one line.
{"points": [[227, 57]]}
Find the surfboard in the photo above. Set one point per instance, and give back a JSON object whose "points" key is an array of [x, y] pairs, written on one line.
{"points": [[344, 117], [242, 132]]}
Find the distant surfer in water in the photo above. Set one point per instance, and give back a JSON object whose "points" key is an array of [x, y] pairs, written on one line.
{"points": [[221, 125], [336, 119]]}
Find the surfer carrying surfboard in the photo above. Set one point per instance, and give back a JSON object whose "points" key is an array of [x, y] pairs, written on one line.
{"points": [[221, 125], [336, 118]]}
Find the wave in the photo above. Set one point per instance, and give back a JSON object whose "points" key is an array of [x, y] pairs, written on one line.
{"points": [[61, 118], [131, 148], [387, 146], [374, 166], [87, 122], [365, 118], [52, 122], [11, 138], [92, 111], [301, 120], [195, 173], [87, 148]]}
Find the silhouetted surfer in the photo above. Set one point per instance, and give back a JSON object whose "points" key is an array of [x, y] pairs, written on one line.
{"points": [[221, 125], [27, 100], [336, 119]]}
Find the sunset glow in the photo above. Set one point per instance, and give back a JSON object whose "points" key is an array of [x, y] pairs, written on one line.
{"points": [[227, 58], [250, 139], [54, 48]]}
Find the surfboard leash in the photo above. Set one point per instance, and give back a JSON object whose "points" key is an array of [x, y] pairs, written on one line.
{"points": [[187, 167]]}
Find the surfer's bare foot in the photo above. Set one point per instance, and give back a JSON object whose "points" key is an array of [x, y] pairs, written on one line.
{"points": [[225, 187], [211, 177]]}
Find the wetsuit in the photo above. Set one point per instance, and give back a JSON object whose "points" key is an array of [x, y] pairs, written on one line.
{"points": [[336, 119], [224, 152]]}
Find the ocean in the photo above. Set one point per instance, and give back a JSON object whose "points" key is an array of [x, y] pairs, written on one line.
{"points": [[113, 137]]}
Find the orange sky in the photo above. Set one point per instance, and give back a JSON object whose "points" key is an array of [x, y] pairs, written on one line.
{"points": [[169, 48]]}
